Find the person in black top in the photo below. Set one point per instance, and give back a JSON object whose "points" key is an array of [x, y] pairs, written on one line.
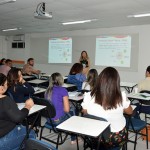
{"points": [[85, 61], [11, 133], [19, 89]]}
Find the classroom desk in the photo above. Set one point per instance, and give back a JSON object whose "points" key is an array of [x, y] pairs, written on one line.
{"points": [[48, 75], [128, 86], [34, 109], [27, 78], [76, 100], [38, 82], [75, 96], [138, 96], [45, 76], [39, 90], [84, 126], [69, 87]]}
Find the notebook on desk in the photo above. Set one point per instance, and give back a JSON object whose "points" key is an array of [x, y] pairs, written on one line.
{"points": [[73, 94], [36, 89], [145, 94]]}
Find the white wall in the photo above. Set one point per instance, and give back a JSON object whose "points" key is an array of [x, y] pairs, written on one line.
{"points": [[133, 76], [3, 47]]}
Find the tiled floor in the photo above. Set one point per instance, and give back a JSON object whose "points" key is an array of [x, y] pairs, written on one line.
{"points": [[141, 145]]}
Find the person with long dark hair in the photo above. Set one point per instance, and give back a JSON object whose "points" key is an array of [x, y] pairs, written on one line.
{"points": [[18, 87], [91, 80], [76, 75], [85, 61], [107, 101]]}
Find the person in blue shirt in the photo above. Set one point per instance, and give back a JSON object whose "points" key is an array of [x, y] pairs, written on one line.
{"points": [[76, 75]]}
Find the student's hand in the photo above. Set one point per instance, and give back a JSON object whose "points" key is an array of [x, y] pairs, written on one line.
{"points": [[29, 104], [84, 111]]}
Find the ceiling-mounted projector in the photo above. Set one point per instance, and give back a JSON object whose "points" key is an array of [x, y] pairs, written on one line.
{"points": [[42, 15], [40, 12]]}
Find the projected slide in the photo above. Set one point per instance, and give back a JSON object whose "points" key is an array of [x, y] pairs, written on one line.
{"points": [[60, 50], [113, 51]]}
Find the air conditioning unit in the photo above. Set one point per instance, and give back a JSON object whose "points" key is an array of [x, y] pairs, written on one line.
{"points": [[19, 38]]}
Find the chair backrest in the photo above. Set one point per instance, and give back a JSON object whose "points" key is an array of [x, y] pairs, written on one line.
{"points": [[106, 132], [10, 95], [34, 144], [49, 111]]}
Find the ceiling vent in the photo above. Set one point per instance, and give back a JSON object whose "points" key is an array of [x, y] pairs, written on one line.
{"points": [[19, 38]]}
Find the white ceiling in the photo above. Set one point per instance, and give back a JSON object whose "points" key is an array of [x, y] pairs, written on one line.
{"points": [[110, 13]]}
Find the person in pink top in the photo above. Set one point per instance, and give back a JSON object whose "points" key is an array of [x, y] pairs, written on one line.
{"points": [[6, 67]]}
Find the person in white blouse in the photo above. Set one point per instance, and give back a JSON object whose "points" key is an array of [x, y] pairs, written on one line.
{"points": [[91, 80], [107, 101]]}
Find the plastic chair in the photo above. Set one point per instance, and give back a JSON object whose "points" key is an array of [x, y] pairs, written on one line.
{"points": [[105, 135], [136, 125], [49, 112], [34, 144], [144, 107], [92, 142]]}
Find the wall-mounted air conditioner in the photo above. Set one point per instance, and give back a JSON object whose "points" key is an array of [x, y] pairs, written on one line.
{"points": [[19, 38]]}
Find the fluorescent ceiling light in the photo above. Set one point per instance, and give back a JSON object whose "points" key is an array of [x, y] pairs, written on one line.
{"points": [[140, 15], [7, 1], [13, 29], [76, 22]]}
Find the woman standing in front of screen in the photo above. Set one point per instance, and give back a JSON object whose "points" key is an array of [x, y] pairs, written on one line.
{"points": [[85, 61]]}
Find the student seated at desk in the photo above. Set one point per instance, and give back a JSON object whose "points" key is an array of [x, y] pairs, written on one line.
{"points": [[143, 85], [6, 67], [58, 95], [28, 68], [18, 87], [106, 101], [11, 132], [91, 80], [76, 75], [2, 62]]}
